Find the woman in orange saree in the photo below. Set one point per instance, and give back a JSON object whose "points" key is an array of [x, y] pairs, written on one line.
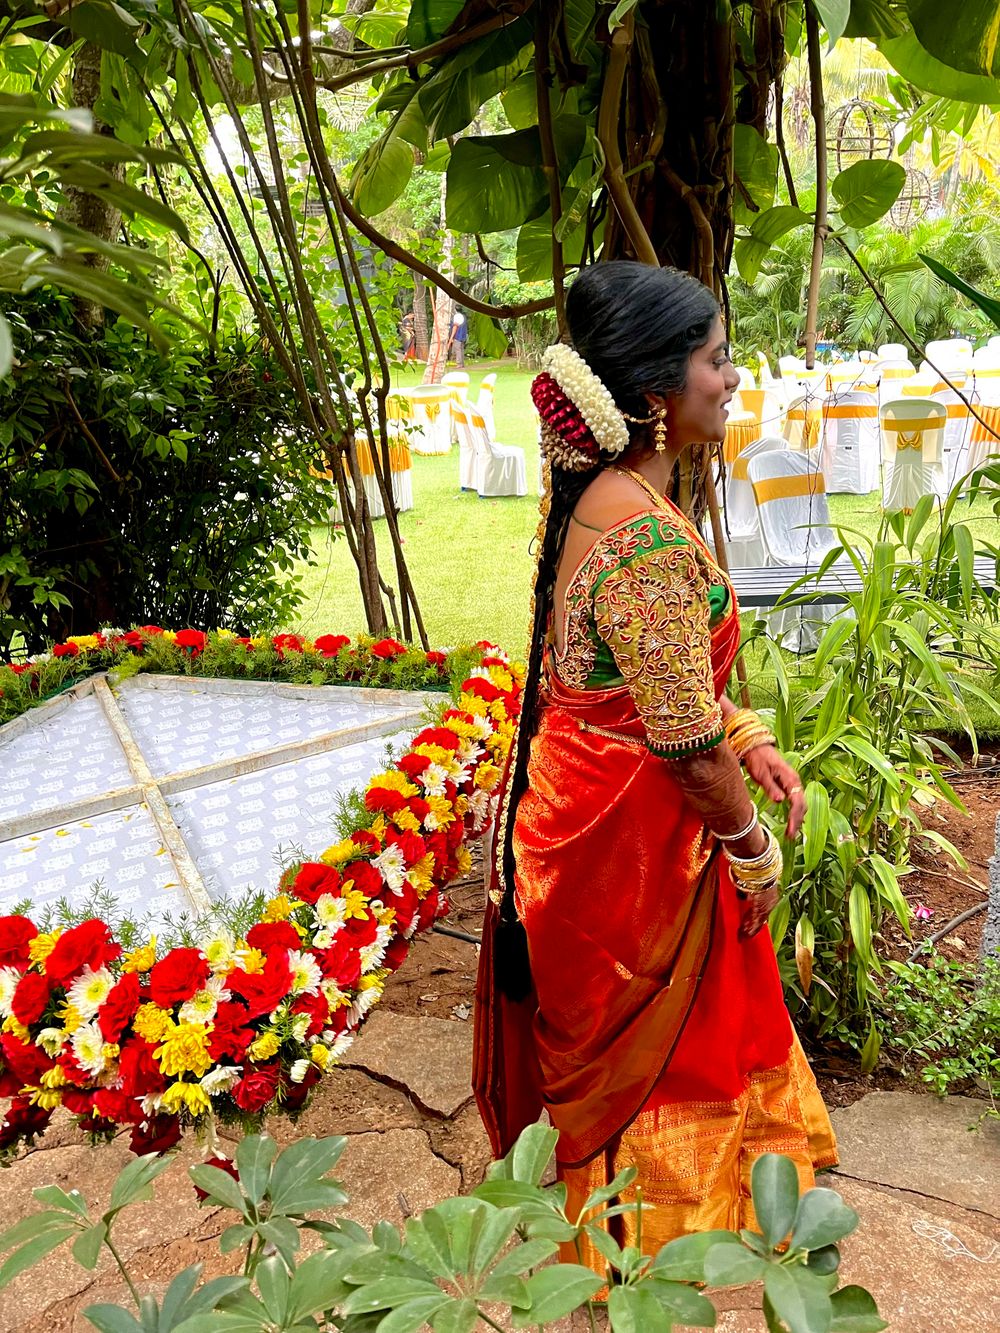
{"points": [[653, 1029]]}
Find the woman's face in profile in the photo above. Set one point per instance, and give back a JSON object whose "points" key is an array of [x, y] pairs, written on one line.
{"points": [[698, 414]]}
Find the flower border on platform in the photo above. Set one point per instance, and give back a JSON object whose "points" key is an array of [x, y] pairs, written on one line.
{"points": [[239, 1028]]}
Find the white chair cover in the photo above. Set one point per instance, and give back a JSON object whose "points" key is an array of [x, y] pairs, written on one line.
{"points": [[850, 441], [485, 403], [744, 543], [912, 452], [957, 432], [986, 375], [950, 353], [766, 406], [803, 422], [747, 380], [468, 457], [893, 352], [500, 468], [867, 355], [458, 382], [891, 372], [795, 522]]}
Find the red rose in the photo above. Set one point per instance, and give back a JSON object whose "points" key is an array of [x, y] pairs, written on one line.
{"points": [[406, 905], [22, 1123], [133, 639], [119, 1008], [150, 629], [437, 736], [412, 845], [177, 977], [418, 806], [436, 659], [484, 688], [74, 1072], [430, 909], [330, 644], [78, 1101], [157, 1135], [365, 877], [413, 765], [361, 930], [317, 1007], [111, 1104], [387, 649], [366, 841], [395, 955], [16, 933], [86, 945], [287, 643], [230, 1037], [25, 1060], [342, 962], [138, 1071], [192, 640], [263, 991], [65, 650], [257, 1087], [312, 880], [222, 1164], [30, 998], [268, 935], [384, 800]]}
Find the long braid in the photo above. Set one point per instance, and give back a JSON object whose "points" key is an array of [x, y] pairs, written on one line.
{"points": [[510, 944]]}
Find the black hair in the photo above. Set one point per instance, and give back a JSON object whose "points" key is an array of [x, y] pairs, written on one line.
{"points": [[636, 326]]}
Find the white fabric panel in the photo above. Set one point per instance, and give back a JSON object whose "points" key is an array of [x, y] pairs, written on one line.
{"points": [[850, 444], [912, 452]]}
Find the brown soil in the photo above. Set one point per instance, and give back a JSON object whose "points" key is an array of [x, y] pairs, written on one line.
{"points": [[438, 978]]}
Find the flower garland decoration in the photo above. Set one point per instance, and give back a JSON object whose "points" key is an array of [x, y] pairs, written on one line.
{"points": [[235, 1029], [589, 395]]}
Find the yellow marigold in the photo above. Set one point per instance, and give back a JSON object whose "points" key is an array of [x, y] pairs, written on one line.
{"points": [[501, 678], [17, 1029], [169, 635], [378, 826], [281, 907], [472, 703], [487, 776], [355, 902], [186, 1096], [421, 875], [150, 1023], [406, 821], [141, 959], [319, 1055], [83, 641], [47, 1099], [70, 1018], [54, 1077], [519, 671], [463, 859], [394, 781], [308, 646], [386, 916], [442, 810], [346, 850], [185, 1049], [265, 1047], [437, 754], [42, 945], [498, 710], [224, 634], [251, 960], [461, 805]]}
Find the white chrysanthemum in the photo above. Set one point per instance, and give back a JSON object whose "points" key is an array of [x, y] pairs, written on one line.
{"points": [[434, 777], [299, 1070], [88, 1049], [51, 1040], [9, 977], [300, 1026], [89, 991], [334, 996], [330, 912], [202, 1006], [372, 955], [221, 1079], [306, 975], [220, 951], [468, 751], [363, 1002], [341, 1044], [583, 388], [151, 1105], [479, 807], [391, 863], [322, 939], [483, 725]]}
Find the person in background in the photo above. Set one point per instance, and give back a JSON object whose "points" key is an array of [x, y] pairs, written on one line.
{"points": [[408, 335], [458, 337], [627, 981]]}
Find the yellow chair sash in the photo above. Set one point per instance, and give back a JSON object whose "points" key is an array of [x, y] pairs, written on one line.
{"points": [[786, 488], [843, 413]]}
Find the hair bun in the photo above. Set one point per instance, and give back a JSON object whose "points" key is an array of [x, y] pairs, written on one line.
{"points": [[567, 440]]}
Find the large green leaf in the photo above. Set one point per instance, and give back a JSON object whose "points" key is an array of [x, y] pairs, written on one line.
{"points": [[381, 173], [452, 96], [755, 164], [988, 304], [833, 14], [774, 1183], [431, 19], [855, 1311], [495, 181], [799, 1299], [866, 191], [766, 228], [534, 249], [926, 72], [874, 19], [970, 42], [107, 25]]}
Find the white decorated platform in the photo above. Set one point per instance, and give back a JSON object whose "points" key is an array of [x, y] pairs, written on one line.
{"points": [[172, 792]]}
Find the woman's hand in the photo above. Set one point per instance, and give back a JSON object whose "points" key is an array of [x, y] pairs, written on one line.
{"points": [[780, 782], [757, 908]]}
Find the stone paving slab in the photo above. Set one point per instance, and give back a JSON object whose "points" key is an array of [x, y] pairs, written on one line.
{"points": [[431, 1058], [934, 1146]]}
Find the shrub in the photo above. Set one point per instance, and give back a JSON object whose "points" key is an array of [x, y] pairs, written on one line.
{"points": [[146, 488]]}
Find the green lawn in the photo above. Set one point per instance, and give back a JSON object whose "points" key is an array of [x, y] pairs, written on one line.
{"points": [[470, 558]]}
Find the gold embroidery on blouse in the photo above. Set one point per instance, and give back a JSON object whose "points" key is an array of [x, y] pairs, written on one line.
{"points": [[633, 536], [653, 614]]}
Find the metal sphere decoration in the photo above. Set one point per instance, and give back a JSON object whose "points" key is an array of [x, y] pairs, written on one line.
{"points": [[859, 131], [914, 199]]}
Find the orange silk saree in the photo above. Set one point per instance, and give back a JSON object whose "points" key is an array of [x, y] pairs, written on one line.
{"points": [[656, 1037]]}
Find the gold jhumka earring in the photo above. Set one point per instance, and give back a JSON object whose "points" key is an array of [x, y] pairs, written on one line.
{"points": [[658, 420]]}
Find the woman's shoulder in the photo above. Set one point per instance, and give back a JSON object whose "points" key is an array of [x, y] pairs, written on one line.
{"points": [[612, 502]]}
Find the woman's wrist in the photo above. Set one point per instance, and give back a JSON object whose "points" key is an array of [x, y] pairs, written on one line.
{"points": [[753, 844]]}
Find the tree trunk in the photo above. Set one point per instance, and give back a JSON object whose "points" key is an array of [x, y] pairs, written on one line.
{"points": [[421, 336], [444, 306]]}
